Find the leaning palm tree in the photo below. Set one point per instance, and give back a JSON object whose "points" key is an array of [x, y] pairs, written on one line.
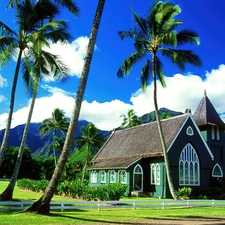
{"points": [[153, 35], [23, 41], [130, 120], [89, 142], [42, 206], [36, 64], [58, 121]]}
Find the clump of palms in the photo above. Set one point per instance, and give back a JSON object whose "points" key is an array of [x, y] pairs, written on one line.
{"points": [[88, 143], [36, 63], [58, 121], [155, 36], [130, 120], [42, 206]]}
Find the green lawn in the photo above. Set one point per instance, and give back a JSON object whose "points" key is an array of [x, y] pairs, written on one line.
{"points": [[92, 216]]}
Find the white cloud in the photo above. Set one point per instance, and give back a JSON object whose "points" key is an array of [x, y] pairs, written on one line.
{"points": [[182, 92], [3, 81], [72, 54]]}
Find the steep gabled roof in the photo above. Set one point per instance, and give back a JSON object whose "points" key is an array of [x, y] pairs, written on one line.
{"points": [[205, 114], [124, 147]]}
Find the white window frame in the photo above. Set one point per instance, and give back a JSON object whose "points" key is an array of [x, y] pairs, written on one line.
{"points": [[141, 173], [102, 176], [155, 174], [121, 175], [189, 131], [220, 169], [112, 176], [93, 177], [189, 169]]}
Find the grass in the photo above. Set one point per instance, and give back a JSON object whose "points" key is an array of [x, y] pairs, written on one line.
{"points": [[92, 216]]}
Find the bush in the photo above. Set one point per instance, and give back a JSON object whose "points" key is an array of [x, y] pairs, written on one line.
{"points": [[32, 185], [76, 189], [184, 192]]}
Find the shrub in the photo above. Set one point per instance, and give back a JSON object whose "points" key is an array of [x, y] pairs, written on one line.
{"points": [[184, 192], [76, 189]]}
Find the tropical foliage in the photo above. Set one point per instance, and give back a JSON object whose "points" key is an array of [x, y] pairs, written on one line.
{"points": [[43, 204], [130, 120], [156, 36], [88, 143], [58, 122], [24, 45]]}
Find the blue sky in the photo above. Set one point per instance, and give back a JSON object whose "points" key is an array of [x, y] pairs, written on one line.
{"points": [[106, 96]]}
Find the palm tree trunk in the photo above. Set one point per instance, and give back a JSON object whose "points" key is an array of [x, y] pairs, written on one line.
{"points": [[161, 135], [42, 206], [7, 194], [11, 107]]}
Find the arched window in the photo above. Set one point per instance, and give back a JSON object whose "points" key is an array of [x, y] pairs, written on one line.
{"points": [[189, 173], [112, 176], [102, 176], [217, 171], [138, 178], [155, 174], [93, 177], [123, 177]]}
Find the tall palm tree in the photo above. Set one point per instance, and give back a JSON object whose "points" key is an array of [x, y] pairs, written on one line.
{"points": [[130, 120], [58, 121], [42, 206], [23, 42], [37, 63], [153, 35], [90, 141]]}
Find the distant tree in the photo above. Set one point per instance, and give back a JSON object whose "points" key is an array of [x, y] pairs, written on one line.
{"points": [[58, 121], [164, 115], [28, 168], [153, 35], [130, 120], [89, 142], [42, 206]]}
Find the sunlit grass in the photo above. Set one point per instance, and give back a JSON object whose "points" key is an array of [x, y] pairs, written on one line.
{"points": [[93, 216]]}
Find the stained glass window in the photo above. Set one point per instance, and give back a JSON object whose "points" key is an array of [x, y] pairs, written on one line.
{"points": [[189, 166]]}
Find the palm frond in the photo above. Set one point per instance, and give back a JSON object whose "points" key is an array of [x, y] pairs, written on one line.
{"points": [[6, 53], [141, 23], [169, 39], [181, 57], [127, 34], [145, 74], [128, 63], [6, 31], [159, 72], [187, 36], [70, 5]]}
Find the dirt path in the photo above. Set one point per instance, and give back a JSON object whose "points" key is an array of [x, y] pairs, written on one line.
{"points": [[192, 221]]}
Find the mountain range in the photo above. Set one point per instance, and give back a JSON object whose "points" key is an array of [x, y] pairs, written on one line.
{"points": [[40, 143]]}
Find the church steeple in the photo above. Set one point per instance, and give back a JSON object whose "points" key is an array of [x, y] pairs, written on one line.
{"points": [[205, 114]]}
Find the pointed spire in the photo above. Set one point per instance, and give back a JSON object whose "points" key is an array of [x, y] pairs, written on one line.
{"points": [[205, 114]]}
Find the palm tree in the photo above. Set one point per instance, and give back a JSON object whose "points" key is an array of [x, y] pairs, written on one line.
{"points": [[22, 42], [36, 64], [42, 206], [130, 120], [153, 35], [89, 142], [58, 121]]}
